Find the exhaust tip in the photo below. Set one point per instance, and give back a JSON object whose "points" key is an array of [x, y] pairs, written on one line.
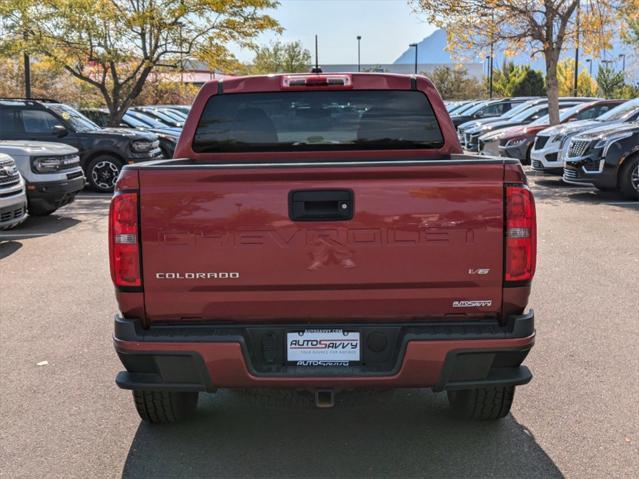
{"points": [[324, 398]]}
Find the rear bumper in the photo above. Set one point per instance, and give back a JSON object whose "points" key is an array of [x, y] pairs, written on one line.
{"points": [[435, 354]]}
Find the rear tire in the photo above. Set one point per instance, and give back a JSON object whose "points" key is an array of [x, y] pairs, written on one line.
{"points": [[482, 404], [164, 407], [629, 179]]}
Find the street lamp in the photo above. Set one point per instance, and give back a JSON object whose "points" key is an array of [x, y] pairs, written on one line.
{"points": [[415, 45], [607, 63], [359, 38], [589, 62]]}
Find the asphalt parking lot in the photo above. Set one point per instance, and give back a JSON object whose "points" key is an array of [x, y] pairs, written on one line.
{"points": [[62, 415]]}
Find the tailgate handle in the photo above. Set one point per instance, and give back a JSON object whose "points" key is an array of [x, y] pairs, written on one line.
{"points": [[320, 205]]}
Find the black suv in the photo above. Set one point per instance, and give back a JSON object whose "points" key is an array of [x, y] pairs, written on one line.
{"points": [[607, 158], [103, 151]]}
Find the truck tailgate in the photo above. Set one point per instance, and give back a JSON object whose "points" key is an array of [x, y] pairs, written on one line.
{"points": [[425, 240]]}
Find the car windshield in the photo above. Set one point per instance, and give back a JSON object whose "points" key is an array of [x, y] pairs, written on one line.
{"points": [[476, 108], [77, 120], [317, 121], [134, 122], [526, 114], [563, 116], [464, 108], [146, 119], [620, 112], [517, 110]]}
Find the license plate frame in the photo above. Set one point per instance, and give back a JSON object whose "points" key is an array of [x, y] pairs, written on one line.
{"points": [[323, 347]]}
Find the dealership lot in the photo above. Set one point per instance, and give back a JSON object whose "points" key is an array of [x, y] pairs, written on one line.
{"points": [[63, 416]]}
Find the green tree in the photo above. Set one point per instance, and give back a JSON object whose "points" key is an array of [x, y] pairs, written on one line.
{"points": [[455, 84], [546, 27], [531, 84], [506, 78], [611, 83], [115, 45], [281, 58]]}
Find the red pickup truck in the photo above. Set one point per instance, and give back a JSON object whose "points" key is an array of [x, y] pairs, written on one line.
{"points": [[322, 232]]}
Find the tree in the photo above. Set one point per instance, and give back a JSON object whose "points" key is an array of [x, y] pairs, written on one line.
{"points": [[115, 45], [610, 82], [535, 26], [586, 85], [531, 84], [455, 84], [629, 13], [281, 58], [506, 78]]}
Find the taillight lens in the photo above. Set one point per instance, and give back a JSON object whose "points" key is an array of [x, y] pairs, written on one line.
{"points": [[123, 240], [521, 234]]}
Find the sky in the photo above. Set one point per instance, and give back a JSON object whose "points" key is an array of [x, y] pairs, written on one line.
{"points": [[386, 27]]}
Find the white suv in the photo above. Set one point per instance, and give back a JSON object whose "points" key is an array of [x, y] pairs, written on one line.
{"points": [[51, 171], [13, 200]]}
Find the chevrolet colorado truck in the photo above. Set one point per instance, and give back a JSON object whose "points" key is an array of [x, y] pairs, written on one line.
{"points": [[322, 232]]}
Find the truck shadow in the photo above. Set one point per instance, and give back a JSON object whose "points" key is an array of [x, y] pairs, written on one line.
{"points": [[407, 433]]}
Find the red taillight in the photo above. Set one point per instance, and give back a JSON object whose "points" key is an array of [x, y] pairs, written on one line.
{"points": [[123, 240], [521, 234]]}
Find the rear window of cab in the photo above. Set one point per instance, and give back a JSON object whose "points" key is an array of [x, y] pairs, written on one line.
{"points": [[317, 121]]}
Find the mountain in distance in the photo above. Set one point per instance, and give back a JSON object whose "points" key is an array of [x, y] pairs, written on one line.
{"points": [[432, 49]]}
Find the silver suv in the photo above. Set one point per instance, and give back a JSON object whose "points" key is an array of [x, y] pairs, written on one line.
{"points": [[51, 171], [13, 200]]}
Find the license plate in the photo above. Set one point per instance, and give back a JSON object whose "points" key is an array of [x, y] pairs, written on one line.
{"points": [[323, 345]]}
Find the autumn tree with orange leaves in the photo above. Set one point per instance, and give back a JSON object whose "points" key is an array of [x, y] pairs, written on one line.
{"points": [[537, 27]]}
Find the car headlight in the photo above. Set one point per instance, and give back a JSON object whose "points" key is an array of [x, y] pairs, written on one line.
{"points": [[141, 145], [516, 142], [53, 164], [607, 141]]}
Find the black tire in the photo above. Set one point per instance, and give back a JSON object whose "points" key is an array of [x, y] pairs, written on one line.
{"points": [[163, 407], [40, 210], [629, 179], [482, 404], [103, 172]]}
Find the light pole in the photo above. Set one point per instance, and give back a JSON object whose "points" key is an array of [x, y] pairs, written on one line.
{"points": [[623, 59], [359, 39], [589, 62], [415, 45]]}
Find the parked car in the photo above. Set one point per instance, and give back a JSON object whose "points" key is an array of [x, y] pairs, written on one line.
{"points": [[269, 255], [606, 157], [170, 120], [517, 142], [546, 152], [478, 138], [470, 125], [168, 136], [13, 199], [488, 109], [51, 171], [474, 124], [103, 151]]}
